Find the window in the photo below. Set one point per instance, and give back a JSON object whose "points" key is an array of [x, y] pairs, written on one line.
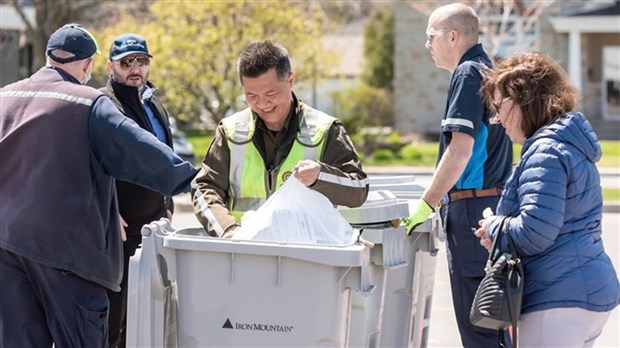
{"points": [[611, 82]]}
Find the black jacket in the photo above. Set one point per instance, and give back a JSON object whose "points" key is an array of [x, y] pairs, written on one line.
{"points": [[139, 205]]}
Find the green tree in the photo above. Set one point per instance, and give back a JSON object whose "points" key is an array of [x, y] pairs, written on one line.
{"points": [[196, 44], [379, 48], [365, 111], [362, 106]]}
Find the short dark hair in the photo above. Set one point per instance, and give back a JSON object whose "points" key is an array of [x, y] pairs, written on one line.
{"points": [[537, 84], [259, 57]]}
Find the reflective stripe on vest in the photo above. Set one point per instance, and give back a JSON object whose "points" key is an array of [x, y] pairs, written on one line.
{"points": [[247, 167], [48, 95]]}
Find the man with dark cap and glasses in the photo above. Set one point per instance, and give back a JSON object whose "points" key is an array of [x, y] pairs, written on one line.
{"points": [[62, 145], [129, 89]]}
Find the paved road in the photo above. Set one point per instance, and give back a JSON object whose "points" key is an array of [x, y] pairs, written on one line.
{"points": [[610, 177], [443, 325]]}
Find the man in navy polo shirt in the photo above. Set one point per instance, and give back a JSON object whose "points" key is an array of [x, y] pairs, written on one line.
{"points": [[475, 160]]}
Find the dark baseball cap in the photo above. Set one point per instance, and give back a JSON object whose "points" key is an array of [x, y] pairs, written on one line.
{"points": [[127, 44], [72, 38]]}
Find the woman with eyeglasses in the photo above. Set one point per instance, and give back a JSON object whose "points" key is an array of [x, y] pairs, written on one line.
{"points": [[554, 202]]}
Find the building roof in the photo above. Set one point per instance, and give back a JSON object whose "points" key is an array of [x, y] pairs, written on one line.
{"points": [[600, 20], [613, 10], [10, 20]]}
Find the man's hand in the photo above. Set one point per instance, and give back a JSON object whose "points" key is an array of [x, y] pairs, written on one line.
{"points": [[419, 214], [123, 225], [307, 171], [230, 232]]}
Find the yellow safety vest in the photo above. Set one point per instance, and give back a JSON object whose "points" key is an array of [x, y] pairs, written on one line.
{"points": [[247, 168]]}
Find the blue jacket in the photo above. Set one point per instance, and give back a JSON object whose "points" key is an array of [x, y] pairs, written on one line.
{"points": [[554, 199]]}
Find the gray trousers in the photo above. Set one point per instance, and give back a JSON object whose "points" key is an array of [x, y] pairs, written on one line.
{"points": [[561, 327]]}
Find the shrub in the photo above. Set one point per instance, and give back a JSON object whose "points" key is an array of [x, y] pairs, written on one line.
{"points": [[394, 142], [363, 106], [410, 152], [383, 155]]}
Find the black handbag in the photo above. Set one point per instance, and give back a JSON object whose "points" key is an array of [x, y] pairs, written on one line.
{"points": [[497, 303]]}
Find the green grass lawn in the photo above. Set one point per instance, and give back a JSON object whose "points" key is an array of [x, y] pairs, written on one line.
{"points": [[611, 156], [611, 194], [428, 151], [200, 141]]}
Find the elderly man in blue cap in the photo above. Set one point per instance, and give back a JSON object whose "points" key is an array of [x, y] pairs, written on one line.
{"points": [[62, 145], [135, 96]]}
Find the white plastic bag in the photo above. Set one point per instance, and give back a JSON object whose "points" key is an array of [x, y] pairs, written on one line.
{"points": [[297, 214]]}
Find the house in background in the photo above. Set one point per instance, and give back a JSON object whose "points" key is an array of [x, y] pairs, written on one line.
{"points": [[593, 63], [585, 40], [346, 45], [15, 54], [583, 36]]}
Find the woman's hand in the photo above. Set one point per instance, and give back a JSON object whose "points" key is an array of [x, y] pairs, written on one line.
{"points": [[481, 233]]}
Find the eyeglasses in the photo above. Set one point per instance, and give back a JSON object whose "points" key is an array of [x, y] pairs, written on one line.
{"points": [[128, 62], [496, 106], [430, 35]]}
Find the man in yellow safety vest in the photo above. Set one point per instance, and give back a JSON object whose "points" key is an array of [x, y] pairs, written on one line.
{"points": [[255, 150]]}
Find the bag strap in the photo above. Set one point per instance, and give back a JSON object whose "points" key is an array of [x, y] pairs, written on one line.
{"points": [[494, 252], [515, 266], [511, 245]]}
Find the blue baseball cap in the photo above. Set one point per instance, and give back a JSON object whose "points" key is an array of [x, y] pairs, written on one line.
{"points": [[72, 38], [127, 44]]}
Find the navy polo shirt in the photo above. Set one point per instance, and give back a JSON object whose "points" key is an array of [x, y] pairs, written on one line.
{"points": [[491, 162]]}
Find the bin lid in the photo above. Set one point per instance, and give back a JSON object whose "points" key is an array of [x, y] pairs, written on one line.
{"points": [[380, 206], [403, 186], [354, 255], [390, 179]]}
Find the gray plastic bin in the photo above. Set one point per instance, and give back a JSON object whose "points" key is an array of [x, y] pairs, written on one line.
{"points": [[190, 290], [402, 267], [242, 293]]}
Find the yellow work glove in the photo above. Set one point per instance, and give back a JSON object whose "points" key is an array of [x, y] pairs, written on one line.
{"points": [[420, 213]]}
